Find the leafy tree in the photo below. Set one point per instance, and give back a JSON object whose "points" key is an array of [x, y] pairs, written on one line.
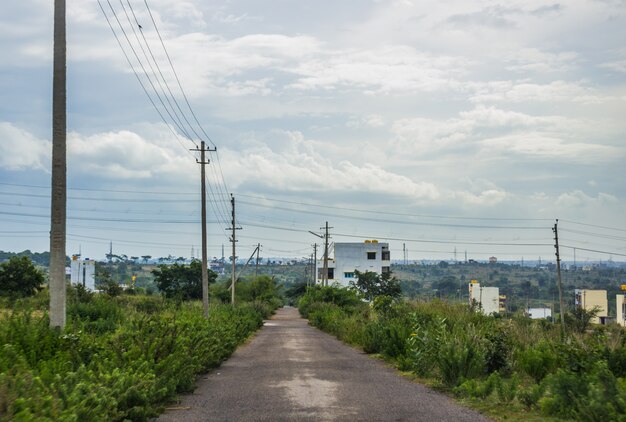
{"points": [[261, 289], [371, 284], [19, 277], [580, 318], [181, 281]]}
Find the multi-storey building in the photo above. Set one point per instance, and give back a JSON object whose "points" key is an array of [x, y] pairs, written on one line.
{"points": [[347, 258]]}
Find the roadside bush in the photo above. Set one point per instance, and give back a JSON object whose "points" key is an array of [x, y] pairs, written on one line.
{"points": [[459, 358], [537, 362], [125, 371], [596, 396]]}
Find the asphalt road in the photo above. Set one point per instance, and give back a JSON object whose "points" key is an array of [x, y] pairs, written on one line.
{"points": [[291, 371]]}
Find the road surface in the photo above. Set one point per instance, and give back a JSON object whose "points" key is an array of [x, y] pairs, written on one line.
{"points": [[291, 371]]}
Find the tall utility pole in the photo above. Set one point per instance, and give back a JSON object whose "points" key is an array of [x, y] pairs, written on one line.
{"points": [[314, 264], [234, 241], [555, 229], [325, 275], [256, 272], [58, 203], [205, 272]]}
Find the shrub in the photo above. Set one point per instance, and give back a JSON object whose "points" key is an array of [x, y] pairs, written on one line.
{"points": [[19, 277], [123, 372], [459, 358], [529, 396], [596, 396], [537, 361]]}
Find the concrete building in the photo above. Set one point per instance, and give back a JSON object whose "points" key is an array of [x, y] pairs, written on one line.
{"points": [[83, 272], [621, 310], [590, 299], [347, 258], [539, 313], [487, 299]]}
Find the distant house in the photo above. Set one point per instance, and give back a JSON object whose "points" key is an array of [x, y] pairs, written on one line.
{"points": [[591, 299], [487, 299], [539, 313], [493, 260], [83, 272], [370, 255]]}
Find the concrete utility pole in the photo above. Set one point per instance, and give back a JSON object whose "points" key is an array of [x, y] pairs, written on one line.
{"points": [[555, 229], [234, 241], [205, 272], [325, 275], [256, 272], [58, 204], [314, 264]]}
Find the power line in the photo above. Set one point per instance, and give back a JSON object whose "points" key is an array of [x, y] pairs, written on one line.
{"points": [[135, 71], [417, 223], [593, 225], [392, 213], [592, 250]]}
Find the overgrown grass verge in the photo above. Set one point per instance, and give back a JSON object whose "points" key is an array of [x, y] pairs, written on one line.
{"points": [[510, 369], [118, 358]]}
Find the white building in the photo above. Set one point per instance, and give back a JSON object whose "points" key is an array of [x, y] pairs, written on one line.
{"points": [[539, 313], [486, 298], [83, 272], [621, 310], [350, 257]]}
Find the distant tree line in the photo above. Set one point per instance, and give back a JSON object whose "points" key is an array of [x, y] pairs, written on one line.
{"points": [[38, 258]]}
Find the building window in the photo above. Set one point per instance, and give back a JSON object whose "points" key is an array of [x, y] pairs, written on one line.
{"points": [[348, 275], [385, 270], [386, 256], [331, 273], [371, 255]]}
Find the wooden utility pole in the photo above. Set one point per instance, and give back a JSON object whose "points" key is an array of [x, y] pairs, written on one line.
{"points": [[205, 271], [58, 204], [555, 229]]}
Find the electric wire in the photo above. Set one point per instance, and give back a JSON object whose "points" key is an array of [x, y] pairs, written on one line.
{"points": [[176, 135]]}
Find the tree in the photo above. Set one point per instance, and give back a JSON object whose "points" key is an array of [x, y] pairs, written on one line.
{"points": [[371, 284], [146, 258], [181, 281], [580, 318], [19, 278]]}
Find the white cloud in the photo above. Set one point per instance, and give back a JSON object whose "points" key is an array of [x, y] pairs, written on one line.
{"points": [[516, 92], [535, 60], [544, 145], [489, 197], [616, 66], [390, 69], [293, 165], [127, 155], [21, 150], [578, 198]]}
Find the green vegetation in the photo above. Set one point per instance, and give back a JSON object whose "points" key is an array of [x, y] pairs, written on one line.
{"points": [[370, 285], [121, 356], [513, 368], [19, 277], [181, 281]]}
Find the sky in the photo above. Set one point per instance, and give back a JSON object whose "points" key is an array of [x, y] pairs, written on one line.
{"points": [[446, 128]]}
